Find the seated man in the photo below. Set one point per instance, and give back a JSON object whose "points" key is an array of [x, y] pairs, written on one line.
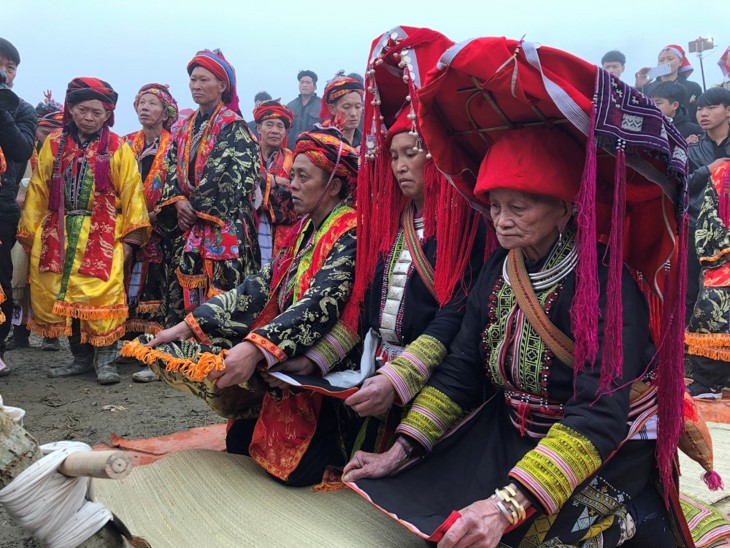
{"points": [[272, 316]]}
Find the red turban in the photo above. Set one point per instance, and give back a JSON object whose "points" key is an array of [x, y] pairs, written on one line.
{"points": [[216, 63], [328, 150], [162, 92], [87, 89], [270, 110], [338, 87]]}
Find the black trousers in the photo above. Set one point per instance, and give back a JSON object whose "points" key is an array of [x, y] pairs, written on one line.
{"points": [[712, 373], [323, 451], [7, 237]]}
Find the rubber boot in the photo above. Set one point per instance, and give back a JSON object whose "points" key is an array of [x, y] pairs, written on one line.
{"points": [[83, 361], [106, 369]]}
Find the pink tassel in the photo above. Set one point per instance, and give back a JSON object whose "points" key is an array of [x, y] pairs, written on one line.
{"points": [[101, 166], [613, 350], [713, 481], [584, 311], [670, 359]]}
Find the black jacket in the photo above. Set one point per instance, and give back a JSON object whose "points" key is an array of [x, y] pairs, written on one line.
{"points": [[17, 134], [305, 116], [685, 126], [692, 91], [701, 155]]}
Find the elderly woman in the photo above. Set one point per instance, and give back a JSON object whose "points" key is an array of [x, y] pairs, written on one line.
{"points": [[157, 111], [84, 215], [213, 169], [559, 437], [400, 263], [275, 314], [342, 106]]}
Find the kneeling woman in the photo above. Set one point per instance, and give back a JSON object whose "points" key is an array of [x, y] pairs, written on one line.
{"points": [[274, 315]]}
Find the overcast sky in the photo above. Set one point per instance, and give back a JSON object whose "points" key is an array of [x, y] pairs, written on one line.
{"points": [[135, 42]]}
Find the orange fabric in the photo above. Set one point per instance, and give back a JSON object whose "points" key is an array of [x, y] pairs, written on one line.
{"points": [[284, 431]]}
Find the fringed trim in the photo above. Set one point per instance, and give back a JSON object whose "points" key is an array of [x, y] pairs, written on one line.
{"points": [[103, 339], [206, 363], [82, 312], [192, 281], [707, 339], [148, 307], [210, 219], [712, 353], [51, 331], [143, 326]]}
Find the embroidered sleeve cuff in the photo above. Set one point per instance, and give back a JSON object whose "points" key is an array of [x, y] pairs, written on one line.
{"points": [[332, 348], [197, 330], [432, 415], [171, 201], [717, 257], [211, 219], [410, 371], [267, 346], [561, 461]]}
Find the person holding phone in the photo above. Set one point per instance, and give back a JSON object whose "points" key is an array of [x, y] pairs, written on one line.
{"points": [[672, 66]]}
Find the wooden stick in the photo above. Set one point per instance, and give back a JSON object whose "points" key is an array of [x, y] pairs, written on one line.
{"points": [[97, 464]]}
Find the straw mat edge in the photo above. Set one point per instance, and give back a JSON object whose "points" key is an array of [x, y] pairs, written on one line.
{"points": [[205, 498]]}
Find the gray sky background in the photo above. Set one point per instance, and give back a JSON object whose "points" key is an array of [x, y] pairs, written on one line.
{"points": [[135, 42]]}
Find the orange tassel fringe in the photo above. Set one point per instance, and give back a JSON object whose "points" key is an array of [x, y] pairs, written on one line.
{"points": [[51, 331], [148, 307], [71, 310], [195, 281], [103, 339], [206, 363]]}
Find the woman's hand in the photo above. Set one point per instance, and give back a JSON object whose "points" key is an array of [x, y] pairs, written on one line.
{"points": [[374, 398], [178, 332], [642, 77], [481, 524], [240, 363], [186, 216], [301, 365], [375, 465]]}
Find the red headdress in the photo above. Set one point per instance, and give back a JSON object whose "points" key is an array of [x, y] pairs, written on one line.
{"points": [[397, 64], [162, 92], [328, 150], [215, 62], [631, 195], [269, 110], [686, 66], [338, 87]]}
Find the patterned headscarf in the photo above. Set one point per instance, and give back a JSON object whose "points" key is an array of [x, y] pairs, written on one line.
{"points": [[215, 62], [327, 149], [686, 66], [52, 120], [162, 92], [87, 89], [338, 87], [269, 110]]}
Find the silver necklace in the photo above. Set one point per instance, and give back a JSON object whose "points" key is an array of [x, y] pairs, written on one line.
{"points": [[550, 276]]}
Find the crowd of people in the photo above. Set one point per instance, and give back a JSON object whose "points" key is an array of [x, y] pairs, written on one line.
{"points": [[467, 258]]}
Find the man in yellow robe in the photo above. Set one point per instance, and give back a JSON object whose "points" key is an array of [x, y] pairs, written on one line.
{"points": [[85, 212]]}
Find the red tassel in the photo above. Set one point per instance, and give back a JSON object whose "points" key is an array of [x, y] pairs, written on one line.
{"points": [[584, 311], [612, 358], [713, 481]]}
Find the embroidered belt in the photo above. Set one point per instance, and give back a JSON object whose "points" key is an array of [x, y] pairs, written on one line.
{"points": [[84, 212], [387, 352]]}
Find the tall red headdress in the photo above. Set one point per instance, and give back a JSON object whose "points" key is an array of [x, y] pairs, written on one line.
{"points": [[398, 61], [632, 193]]}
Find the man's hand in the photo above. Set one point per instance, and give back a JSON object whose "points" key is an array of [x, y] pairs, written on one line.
{"points": [[240, 365], [374, 398], [374, 465], [717, 163], [301, 365], [178, 332], [186, 216]]}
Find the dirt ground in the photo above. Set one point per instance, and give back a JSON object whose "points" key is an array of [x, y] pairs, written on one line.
{"points": [[76, 408]]}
